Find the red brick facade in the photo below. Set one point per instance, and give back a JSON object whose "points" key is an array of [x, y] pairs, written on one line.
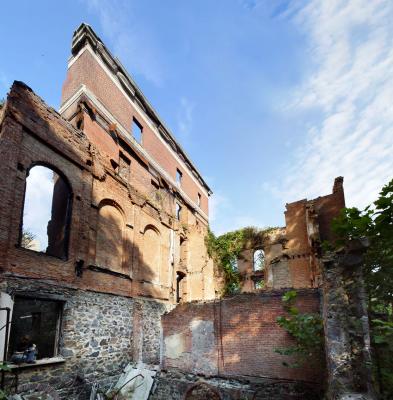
{"points": [[235, 337]]}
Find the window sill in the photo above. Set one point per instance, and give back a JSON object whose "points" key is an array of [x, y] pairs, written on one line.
{"points": [[38, 363]]}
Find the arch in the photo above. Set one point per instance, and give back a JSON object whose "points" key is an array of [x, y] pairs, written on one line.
{"points": [[201, 391], [152, 253], [110, 236], [46, 211], [259, 260]]}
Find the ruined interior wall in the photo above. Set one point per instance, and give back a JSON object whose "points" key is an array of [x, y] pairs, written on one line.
{"points": [[176, 385], [112, 223], [100, 334], [235, 337]]}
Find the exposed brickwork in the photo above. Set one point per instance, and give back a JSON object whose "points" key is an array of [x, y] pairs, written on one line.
{"points": [[235, 337], [291, 253]]}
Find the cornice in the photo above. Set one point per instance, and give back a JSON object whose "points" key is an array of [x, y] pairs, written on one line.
{"points": [[85, 36]]}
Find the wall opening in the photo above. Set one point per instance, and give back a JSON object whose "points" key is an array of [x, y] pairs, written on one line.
{"points": [[179, 285], [137, 130], [46, 212], [259, 260], [35, 322]]}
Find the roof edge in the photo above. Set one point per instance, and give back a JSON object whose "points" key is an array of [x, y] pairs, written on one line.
{"points": [[84, 35]]}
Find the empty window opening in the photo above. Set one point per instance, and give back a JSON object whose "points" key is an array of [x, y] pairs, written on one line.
{"points": [[179, 176], [199, 200], [179, 285], [137, 130], [46, 212], [124, 167], [178, 211], [234, 264], [259, 283], [35, 329], [259, 260]]}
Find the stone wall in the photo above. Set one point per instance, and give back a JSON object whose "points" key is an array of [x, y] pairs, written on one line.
{"points": [[100, 334], [346, 325], [235, 337]]}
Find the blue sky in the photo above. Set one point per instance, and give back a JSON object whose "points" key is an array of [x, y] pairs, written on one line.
{"points": [[271, 99]]}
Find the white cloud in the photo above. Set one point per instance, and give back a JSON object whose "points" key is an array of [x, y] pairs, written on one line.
{"points": [[185, 118], [38, 204], [351, 86], [131, 40]]}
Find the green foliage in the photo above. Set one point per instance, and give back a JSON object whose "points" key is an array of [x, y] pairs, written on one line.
{"points": [[305, 328], [375, 223], [226, 250]]}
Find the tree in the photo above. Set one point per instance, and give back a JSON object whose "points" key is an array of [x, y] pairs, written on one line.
{"points": [[375, 223], [27, 239]]}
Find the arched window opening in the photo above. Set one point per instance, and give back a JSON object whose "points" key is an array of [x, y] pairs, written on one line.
{"points": [[109, 244], [46, 212], [259, 260], [151, 254]]}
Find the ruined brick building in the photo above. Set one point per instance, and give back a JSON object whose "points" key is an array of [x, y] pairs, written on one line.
{"points": [[126, 226]]}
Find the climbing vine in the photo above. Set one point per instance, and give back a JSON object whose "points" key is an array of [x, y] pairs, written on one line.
{"points": [[305, 328], [226, 250]]}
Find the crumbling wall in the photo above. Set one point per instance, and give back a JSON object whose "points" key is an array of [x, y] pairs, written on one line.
{"points": [[346, 325], [177, 385], [235, 337], [100, 335]]}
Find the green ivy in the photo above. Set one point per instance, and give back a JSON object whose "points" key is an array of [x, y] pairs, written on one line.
{"points": [[226, 250], [305, 328]]}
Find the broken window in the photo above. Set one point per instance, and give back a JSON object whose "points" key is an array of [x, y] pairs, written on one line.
{"points": [[137, 130], [124, 167], [259, 260], [46, 212], [34, 328], [178, 211], [199, 200], [179, 176]]}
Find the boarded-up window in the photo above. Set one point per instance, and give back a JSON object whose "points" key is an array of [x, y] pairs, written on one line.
{"points": [[109, 245], [151, 254]]}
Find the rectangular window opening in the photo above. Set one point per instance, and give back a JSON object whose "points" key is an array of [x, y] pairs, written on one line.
{"points": [[179, 176], [35, 329], [199, 199], [137, 130]]}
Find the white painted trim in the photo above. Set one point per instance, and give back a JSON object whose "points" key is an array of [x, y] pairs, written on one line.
{"points": [[140, 112], [97, 103]]}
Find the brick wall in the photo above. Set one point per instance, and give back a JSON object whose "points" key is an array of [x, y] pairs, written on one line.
{"points": [[102, 201], [87, 71], [235, 337]]}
